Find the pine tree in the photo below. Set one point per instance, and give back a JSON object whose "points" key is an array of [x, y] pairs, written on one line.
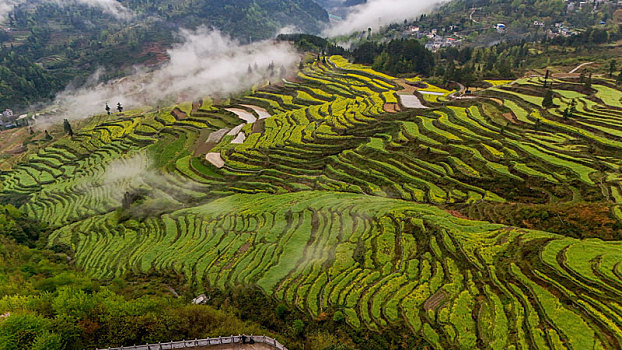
{"points": [[619, 80], [588, 81], [547, 102], [612, 67], [573, 108], [546, 77], [67, 127]]}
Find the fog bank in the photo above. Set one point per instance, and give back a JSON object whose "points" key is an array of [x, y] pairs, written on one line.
{"points": [[112, 7], [377, 13], [206, 63]]}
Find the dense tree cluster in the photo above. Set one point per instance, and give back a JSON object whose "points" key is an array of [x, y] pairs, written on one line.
{"points": [[45, 305], [19, 227], [396, 57], [22, 81]]}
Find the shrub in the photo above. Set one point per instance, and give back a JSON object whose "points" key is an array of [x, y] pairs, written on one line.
{"points": [[298, 327], [281, 311], [339, 317]]}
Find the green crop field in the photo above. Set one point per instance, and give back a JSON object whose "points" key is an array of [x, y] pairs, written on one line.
{"points": [[428, 222]]}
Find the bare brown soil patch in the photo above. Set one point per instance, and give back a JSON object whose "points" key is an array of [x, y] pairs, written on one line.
{"points": [[240, 251], [200, 146], [10, 138], [179, 114], [434, 301], [406, 88], [156, 53], [498, 101], [195, 106], [510, 117], [258, 127], [457, 214], [391, 107]]}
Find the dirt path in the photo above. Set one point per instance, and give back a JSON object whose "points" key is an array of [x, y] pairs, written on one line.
{"points": [[462, 88], [580, 66], [471, 15]]}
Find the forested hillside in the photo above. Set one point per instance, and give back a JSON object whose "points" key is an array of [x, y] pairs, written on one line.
{"points": [[71, 41]]}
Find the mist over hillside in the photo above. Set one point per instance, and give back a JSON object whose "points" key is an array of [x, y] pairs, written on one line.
{"points": [[57, 43]]}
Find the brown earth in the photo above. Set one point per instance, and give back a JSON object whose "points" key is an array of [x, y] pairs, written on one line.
{"points": [[179, 114], [391, 107], [434, 301], [406, 88], [510, 117], [201, 147], [11, 138], [157, 53]]}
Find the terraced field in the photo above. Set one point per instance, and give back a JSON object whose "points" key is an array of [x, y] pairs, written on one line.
{"points": [[327, 202]]}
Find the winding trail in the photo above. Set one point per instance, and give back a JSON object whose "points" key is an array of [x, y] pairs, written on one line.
{"points": [[580, 66], [472, 13]]}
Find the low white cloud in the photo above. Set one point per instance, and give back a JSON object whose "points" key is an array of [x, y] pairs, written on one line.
{"points": [[291, 29], [206, 63], [126, 170], [112, 7], [377, 13], [6, 6]]}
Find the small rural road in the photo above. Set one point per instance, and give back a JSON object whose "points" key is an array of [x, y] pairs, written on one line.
{"points": [[471, 15], [580, 66]]}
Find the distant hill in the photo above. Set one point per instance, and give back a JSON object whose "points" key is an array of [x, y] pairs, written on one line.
{"points": [[58, 44]]}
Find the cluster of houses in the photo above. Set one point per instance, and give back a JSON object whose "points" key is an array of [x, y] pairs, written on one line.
{"points": [[559, 29], [451, 38], [577, 5], [10, 120], [435, 40]]}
